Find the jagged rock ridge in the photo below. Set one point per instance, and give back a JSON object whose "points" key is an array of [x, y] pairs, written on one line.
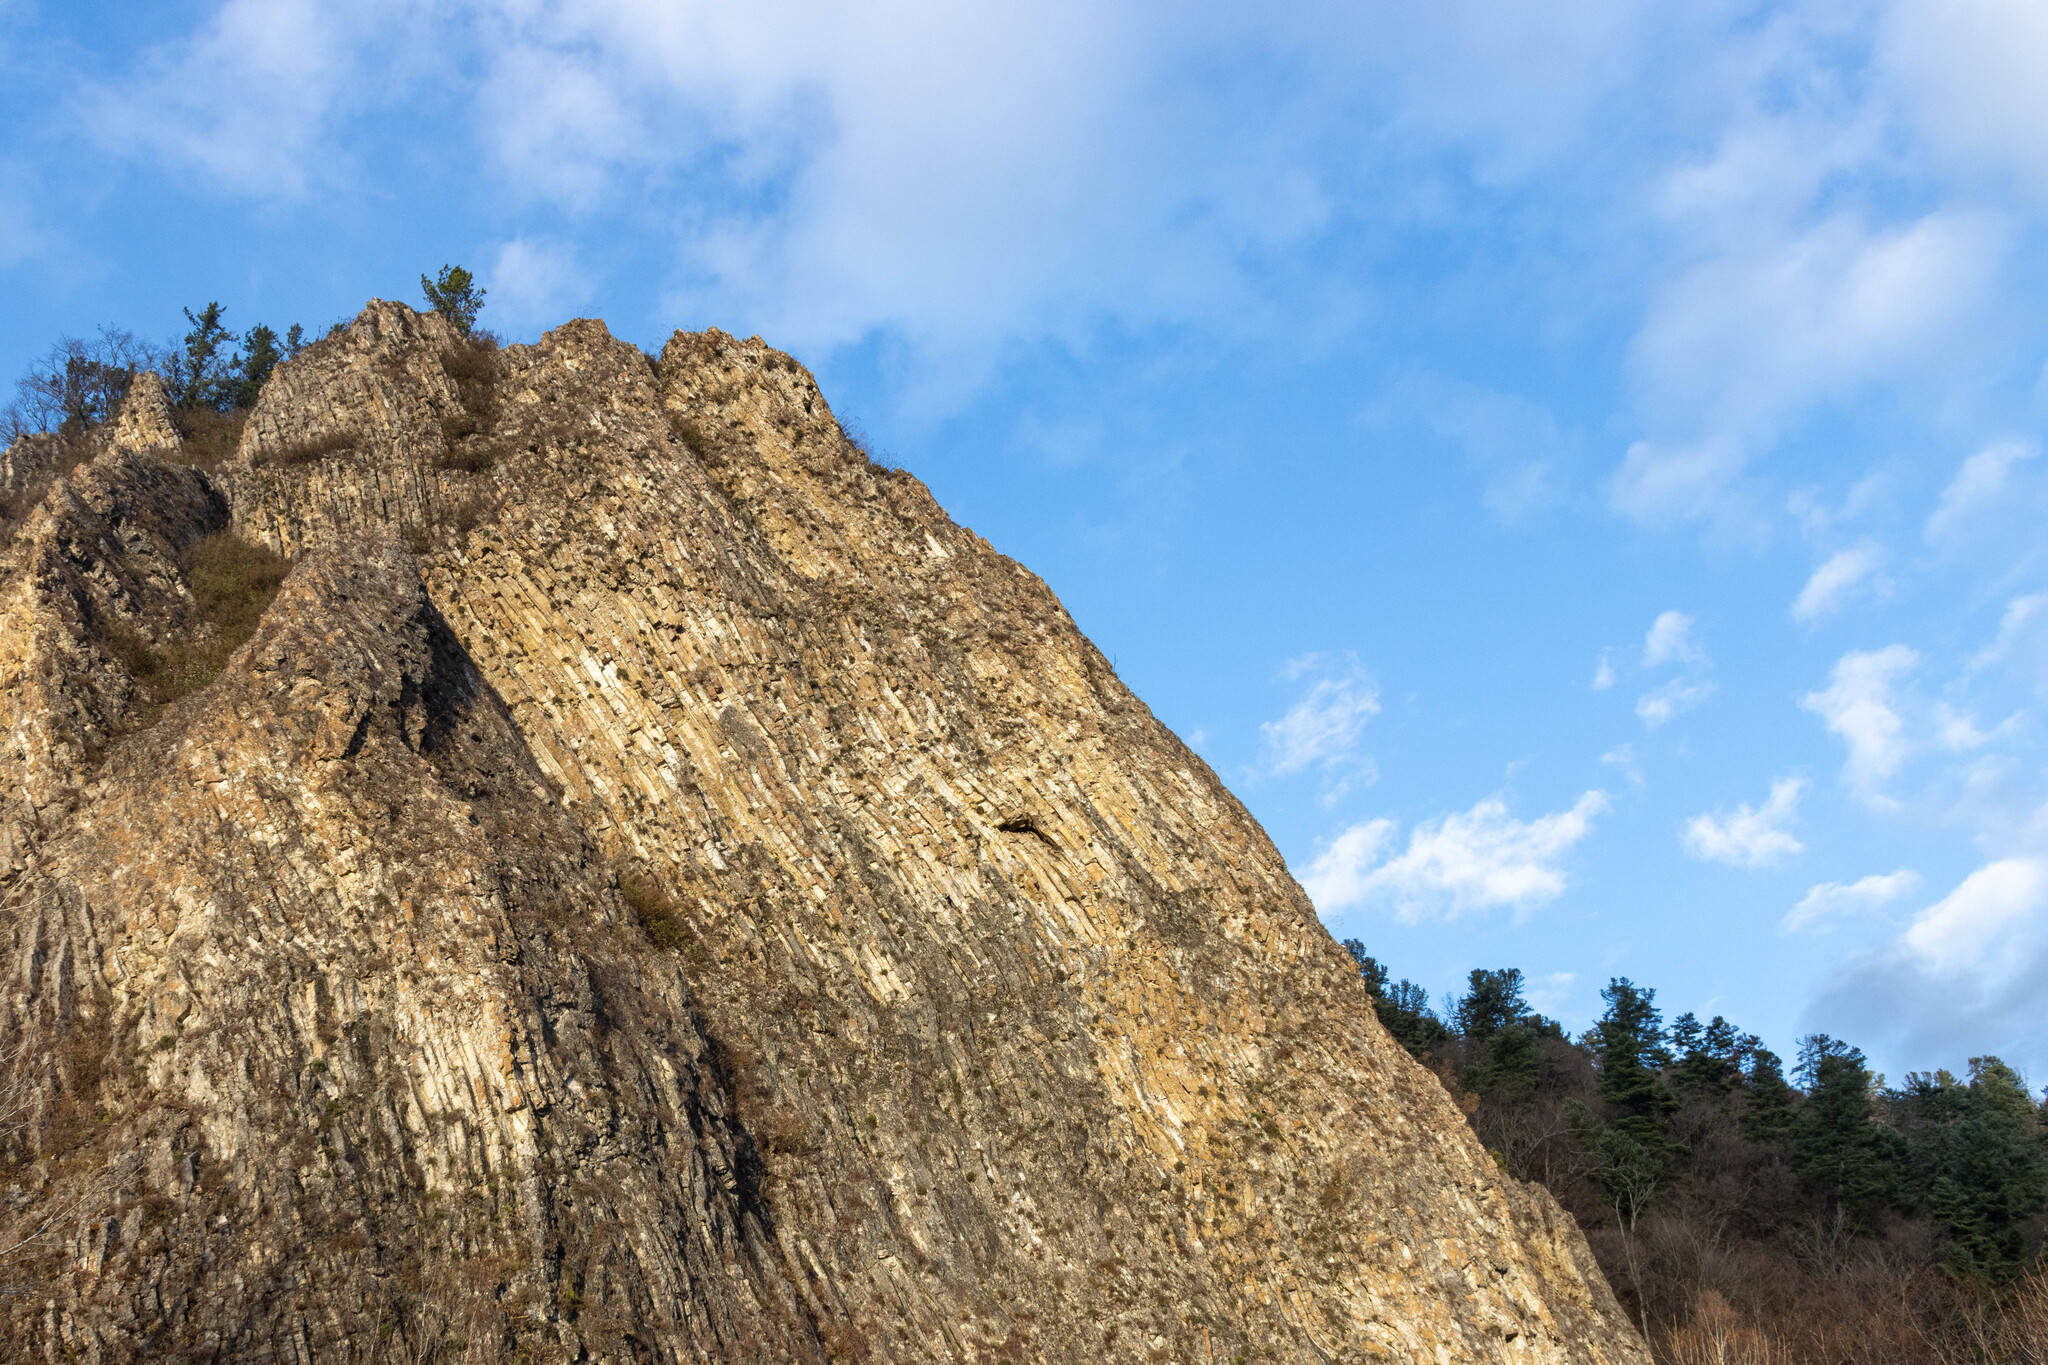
{"points": [[654, 888]]}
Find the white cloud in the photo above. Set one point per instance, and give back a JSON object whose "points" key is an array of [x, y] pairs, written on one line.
{"points": [[1550, 994], [1670, 639], [1474, 860], [951, 175], [1908, 1012], [1817, 518], [1777, 314], [1859, 706], [1680, 694], [1750, 837], [1662, 483], [1838, 579], [823, 177], [1325, 726], [1515, 444], [1603, 676], [1970, 70], [1831, 901], [1341, 874], [1963, 927], [2014, 626], [1785, 316], [1623, 756], [532, 283], [253, 98], [1979, 487], [2019, 652], [1966, 978]]}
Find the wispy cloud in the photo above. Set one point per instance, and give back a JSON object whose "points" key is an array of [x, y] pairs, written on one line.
{"points": [[255, 97], [1976, 491], [1962, 927], [1831, 901], [1680, 694], [1324, 728], [1859, 705], [1670, 640], [1837, 580], [1623, 756], [1788, 315], [1550, 993], [1516, 445], [1474, 860], [1752, 836], [1966, 977], [533, 281]]}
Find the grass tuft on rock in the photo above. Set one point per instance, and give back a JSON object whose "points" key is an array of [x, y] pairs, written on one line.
{"points": [[658, 918], [232, 582], [209, 436], [310, 451]]}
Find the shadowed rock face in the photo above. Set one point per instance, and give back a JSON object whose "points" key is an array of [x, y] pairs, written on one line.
{"points": [[654, 888]]}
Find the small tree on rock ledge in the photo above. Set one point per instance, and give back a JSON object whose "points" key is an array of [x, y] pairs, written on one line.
{"points": [[455, 296]]}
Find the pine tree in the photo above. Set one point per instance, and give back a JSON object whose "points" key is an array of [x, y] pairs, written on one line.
{"points": [[455, 296], [1628, 1047], [1977, 1165], [200, 375], [1501, 1034], [259, 357], [1709, 1055], [1840, 1149], [1771, 1103], [1493, 1002]]}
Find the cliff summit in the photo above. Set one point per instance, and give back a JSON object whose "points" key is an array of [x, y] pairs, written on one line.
{"points": [[548, 853]]}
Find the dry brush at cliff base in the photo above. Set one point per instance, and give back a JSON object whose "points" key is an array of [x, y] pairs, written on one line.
{"points": [[665, 892]]}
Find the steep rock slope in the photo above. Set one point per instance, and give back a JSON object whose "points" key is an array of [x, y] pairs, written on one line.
{"points": [[966, 1015]]}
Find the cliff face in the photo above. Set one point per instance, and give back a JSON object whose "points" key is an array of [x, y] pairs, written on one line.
{"points": [[654, 888]]}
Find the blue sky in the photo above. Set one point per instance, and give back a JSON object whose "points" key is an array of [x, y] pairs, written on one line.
{"points": [[1574, 470]]}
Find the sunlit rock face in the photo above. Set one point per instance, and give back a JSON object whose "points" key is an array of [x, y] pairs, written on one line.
{"points": [[653, 888]]}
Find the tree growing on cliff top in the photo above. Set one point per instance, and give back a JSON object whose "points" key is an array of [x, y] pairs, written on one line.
{"points": [[454, 294], [201, 373], [78, 384]]}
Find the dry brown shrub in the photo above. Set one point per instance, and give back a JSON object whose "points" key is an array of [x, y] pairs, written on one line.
{"points": [[232, 582], [473, 366], [209, 436], [695, 438], [309, 451], [470, 457], [2026, 1321], [61, 452], [658, 918], [1718, 1335]]}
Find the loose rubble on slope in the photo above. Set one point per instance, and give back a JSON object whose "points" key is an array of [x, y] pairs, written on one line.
{"points": [[654, 888]]}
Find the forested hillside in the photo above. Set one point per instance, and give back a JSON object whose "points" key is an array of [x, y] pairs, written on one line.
{"points": [[1744, 1214]]}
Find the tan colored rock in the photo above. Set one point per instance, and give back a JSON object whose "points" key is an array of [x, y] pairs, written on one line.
{"points": [[145, 422], [987, 1023]]}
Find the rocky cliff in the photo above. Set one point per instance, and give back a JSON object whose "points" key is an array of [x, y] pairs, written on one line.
{"points": [[652, 888]]}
